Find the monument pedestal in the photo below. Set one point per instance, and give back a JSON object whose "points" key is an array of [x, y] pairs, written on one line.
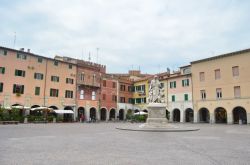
{"points": [[157, 115], [157, 121]]}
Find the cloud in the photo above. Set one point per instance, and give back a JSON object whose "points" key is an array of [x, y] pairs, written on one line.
{"points": [[147, 33]]}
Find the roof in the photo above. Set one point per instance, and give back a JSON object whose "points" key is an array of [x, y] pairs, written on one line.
{"points": [[222, 56], [35, 55]]}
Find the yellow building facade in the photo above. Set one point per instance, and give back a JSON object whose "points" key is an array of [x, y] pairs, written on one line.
{"points": [[221, 88]]}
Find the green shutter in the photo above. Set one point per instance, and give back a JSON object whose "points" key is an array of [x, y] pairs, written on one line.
{"points": [[57, 91], [1, 87], [23, 73], [187, 82], [5, 52], [173, 98], [3, 71], [14, 88], [22, 89], [174, 84], [50, 92], [16, 72], [186, 97], [183, 83]]}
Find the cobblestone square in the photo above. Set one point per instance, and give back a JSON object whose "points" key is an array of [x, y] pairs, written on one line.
{"points": [[101, 143]]}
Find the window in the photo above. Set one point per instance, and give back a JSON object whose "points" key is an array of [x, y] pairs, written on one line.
{"points": [[138, 88], [202, 76], [2, 70], [203, 94], [20, 73], [81, 94], [21, 56], [114, 98], [93, 95], [70, 66], [217, 74], [113, 84], [104, 83], [218, 93], [104, 96], [82, 76], [143, 100], [69, 81], [38, 76], [235, 71], [18, 88], [68, 94], [56, 63], [185, 82], [94, 78], [122, 87], [237, 91], [55, 78], [3, 52], [54, 92], [138, 100], [131, 101], [173, 84], [130, 88], [40, 59], [186, 97], [37, 91], [122, 99], [173, 98], [1, 87]]}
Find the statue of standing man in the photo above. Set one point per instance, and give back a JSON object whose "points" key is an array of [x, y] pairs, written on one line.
{"points": [[156, 92]]}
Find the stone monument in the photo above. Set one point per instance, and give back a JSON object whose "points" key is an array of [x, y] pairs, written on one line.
{"points": [[156, 106], [157, 121]]}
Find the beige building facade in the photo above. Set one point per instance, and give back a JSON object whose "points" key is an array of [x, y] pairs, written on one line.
{"points": [[30, 80], [221, 88]]}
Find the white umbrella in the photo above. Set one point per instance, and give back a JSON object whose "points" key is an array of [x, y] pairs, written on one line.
{"points": [[64, 111], [17, 107], [140, 113], [40, 108]]}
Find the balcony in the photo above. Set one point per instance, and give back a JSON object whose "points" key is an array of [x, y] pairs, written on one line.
{"points": [[90, 84]]}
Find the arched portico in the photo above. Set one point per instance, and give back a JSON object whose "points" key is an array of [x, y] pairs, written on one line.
{"points": [[204, 115], [92, 114], [220, 115], [112, 114], [121, 114], [103, 115], [176, 115], [239, 115], [189, 115], [81, 114]]}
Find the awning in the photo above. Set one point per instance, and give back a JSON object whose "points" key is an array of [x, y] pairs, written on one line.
{"points": [[64, 111]]}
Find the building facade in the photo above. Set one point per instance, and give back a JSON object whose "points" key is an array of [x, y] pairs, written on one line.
{"points": [[221, 88], [31, 80]]}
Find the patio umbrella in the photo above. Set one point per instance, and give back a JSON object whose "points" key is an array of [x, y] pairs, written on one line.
{"points": [[17, 107], [41, 109], [140, 113], [64, 111]]}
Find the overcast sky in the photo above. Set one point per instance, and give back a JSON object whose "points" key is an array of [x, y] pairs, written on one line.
{"points": [[150, 34]]}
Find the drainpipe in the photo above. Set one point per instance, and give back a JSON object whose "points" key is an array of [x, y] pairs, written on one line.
{"points": [[45, 83], [195, 113]]}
